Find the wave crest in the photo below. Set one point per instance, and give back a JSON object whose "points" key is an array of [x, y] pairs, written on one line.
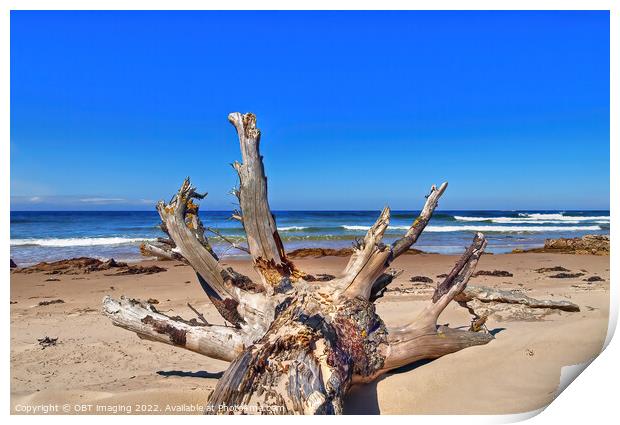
{"points": [[536, 219], [55, 242], [509, 229], [493, 229], [291, 228], [347, 227]]}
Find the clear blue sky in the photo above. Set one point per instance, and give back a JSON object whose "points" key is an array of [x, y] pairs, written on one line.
{"points": [[111, 110]]}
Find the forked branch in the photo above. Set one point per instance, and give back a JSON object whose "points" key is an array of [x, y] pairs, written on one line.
{"points": [[413, 233], [365, 275], [225, 288]]}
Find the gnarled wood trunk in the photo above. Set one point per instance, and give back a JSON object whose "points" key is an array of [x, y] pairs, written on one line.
{"points": [[296, 344]]}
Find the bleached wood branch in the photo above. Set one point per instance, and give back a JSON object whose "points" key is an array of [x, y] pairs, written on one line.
{"points": [[160, 251], [422, 338], [218, 342], [493, 295], [367, 262], [413, 233], [264, 240]]}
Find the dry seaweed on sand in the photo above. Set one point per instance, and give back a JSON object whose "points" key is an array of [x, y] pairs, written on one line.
{"points": [[44, 303], [47, 342], [130, 270], [566, 275], [77, 265], [495, 273], [85, 265], [422, 279], [552, 269]]}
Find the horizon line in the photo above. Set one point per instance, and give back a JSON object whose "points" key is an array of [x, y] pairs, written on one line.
{"points": [[339, 210]]}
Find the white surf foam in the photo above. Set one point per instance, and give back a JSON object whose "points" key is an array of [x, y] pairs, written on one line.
{"points": [[536, 219], [290, 228], [561, 216], [496, 229], [368, 227], [509, 229], [77, 241], [515, 220]]}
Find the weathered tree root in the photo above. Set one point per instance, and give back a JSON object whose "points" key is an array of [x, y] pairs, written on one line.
{"points": [[297, 342]]}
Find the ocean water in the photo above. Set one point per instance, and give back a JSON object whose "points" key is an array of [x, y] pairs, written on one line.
{"points": [[48, 236]]}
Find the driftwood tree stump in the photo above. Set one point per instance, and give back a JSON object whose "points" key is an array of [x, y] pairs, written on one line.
{"points": [[296, 343]]}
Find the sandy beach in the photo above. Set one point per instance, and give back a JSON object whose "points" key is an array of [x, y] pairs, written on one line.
{"points": [[94, 362]]}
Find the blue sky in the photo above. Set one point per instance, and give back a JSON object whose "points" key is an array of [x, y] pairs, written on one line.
{"points": [[111, 110]]}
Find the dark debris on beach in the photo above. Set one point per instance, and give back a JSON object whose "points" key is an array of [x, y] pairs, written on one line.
{"points": [[495, 273], [44, 303], [566, 275], [594, 279], [47, 342], [552, 269], [422, 279], [85, 265]]}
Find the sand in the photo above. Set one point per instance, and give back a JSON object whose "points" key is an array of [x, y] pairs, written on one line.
{"points": [[112, 370]]}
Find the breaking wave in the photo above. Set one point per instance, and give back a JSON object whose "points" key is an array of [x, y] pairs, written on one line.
{"points": [[495, 229], [346, 227], [291, 228], [77, 241], [536, 219]]}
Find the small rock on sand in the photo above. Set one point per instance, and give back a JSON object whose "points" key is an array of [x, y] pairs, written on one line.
{"points": [[594, 279], [588, 244]]}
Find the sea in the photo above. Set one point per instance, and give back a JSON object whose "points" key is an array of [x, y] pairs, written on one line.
{"points": [[49, 236]]}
